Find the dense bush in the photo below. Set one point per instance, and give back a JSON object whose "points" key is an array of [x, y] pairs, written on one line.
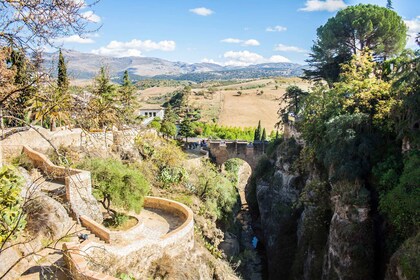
{"points": [[215, 190], [116, 183], [216, 131], [163, 161], [402, 204]]}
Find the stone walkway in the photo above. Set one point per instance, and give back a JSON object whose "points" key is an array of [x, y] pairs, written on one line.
{"points": [[153, 224]]}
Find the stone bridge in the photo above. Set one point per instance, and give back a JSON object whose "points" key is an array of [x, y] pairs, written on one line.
{"points": [[222, 150]]}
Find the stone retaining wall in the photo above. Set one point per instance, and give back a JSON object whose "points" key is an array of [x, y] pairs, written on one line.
{"points": [[77, 183], [12, 145]]}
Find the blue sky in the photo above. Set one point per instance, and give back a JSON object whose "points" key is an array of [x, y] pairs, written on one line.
{"points": [[228, 32]]}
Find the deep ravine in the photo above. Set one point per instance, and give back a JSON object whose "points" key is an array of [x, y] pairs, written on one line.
{"points": [[253, 264]]}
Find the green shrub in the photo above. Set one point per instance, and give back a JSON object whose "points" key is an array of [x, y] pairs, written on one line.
{"points": [[11, 213], [23, 161], [402, 204], [217, 192], [115, 182]]}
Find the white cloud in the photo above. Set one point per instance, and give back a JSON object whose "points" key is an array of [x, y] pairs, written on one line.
{"points": [[206, 60], [278, 58], [231, 40], [251, 42], [91, 16], [202, 11], [327, 5], [73, 39], [242, 58], [413, 28], [284, 48], [134, 47], [245, 58], [277, 28]]}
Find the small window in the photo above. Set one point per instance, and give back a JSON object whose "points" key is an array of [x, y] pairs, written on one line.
{"points": [[154, 114]]}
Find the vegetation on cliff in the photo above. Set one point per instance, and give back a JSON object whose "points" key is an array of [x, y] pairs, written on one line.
{"points": [[362, 108]]}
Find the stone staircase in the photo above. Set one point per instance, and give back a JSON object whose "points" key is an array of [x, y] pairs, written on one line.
{"points": [[49, 262]]}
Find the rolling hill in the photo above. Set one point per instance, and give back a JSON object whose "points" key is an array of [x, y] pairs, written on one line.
{"points": [[86, 66]]}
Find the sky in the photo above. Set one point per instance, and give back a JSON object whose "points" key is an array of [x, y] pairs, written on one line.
{"points": [[227, 32]]}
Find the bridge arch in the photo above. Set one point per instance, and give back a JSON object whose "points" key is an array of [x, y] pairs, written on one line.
{"points": [[220, 151]]}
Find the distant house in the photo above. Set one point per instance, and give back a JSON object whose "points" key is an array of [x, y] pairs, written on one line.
{"points": [[150, 112]]}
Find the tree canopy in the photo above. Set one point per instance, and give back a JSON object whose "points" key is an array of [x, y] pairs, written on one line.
{"points": [[353, 29]]}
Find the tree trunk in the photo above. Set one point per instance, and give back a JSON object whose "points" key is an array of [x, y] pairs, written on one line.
{"points": [[53, 125]]}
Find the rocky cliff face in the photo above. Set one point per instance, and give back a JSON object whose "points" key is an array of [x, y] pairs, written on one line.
{"points": [[350, 253], [312, 228]]}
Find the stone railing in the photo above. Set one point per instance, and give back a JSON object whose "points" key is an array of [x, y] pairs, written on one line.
{"points": [[77, 183], [172, 243]]}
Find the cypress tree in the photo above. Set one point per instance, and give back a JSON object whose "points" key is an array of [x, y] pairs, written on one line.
{"points": [[62, 79], [264, 135], [257, 134]]}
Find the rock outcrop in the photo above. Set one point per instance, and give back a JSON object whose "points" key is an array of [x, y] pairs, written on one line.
{"points": [[311, 227]]}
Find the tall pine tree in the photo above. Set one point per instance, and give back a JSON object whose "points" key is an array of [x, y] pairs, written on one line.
{"points": [[128, 100]]}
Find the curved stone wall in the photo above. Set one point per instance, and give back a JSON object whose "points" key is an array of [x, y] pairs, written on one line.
{"points": [[138, 253]]}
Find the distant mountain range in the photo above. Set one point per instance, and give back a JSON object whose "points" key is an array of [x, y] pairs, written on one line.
{"points": [[86, 66]]}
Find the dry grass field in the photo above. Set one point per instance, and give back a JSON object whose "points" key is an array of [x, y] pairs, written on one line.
{"points": [[227, 107]]}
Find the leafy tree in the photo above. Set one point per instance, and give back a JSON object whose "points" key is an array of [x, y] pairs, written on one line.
{"points": [[26, 25], [15, 104], [50, 106], [215, 190], [168, 127], [257, 133], [186, 128], [406, 75], [155, 123], [184, 103], [62, 78], [352, 30], [116, 183], [389, 4], [290, 103], [170, 115], [362, 91], [12, 218]]}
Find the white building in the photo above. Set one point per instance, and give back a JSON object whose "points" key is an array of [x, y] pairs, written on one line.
{"points": [[150, 112]]}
